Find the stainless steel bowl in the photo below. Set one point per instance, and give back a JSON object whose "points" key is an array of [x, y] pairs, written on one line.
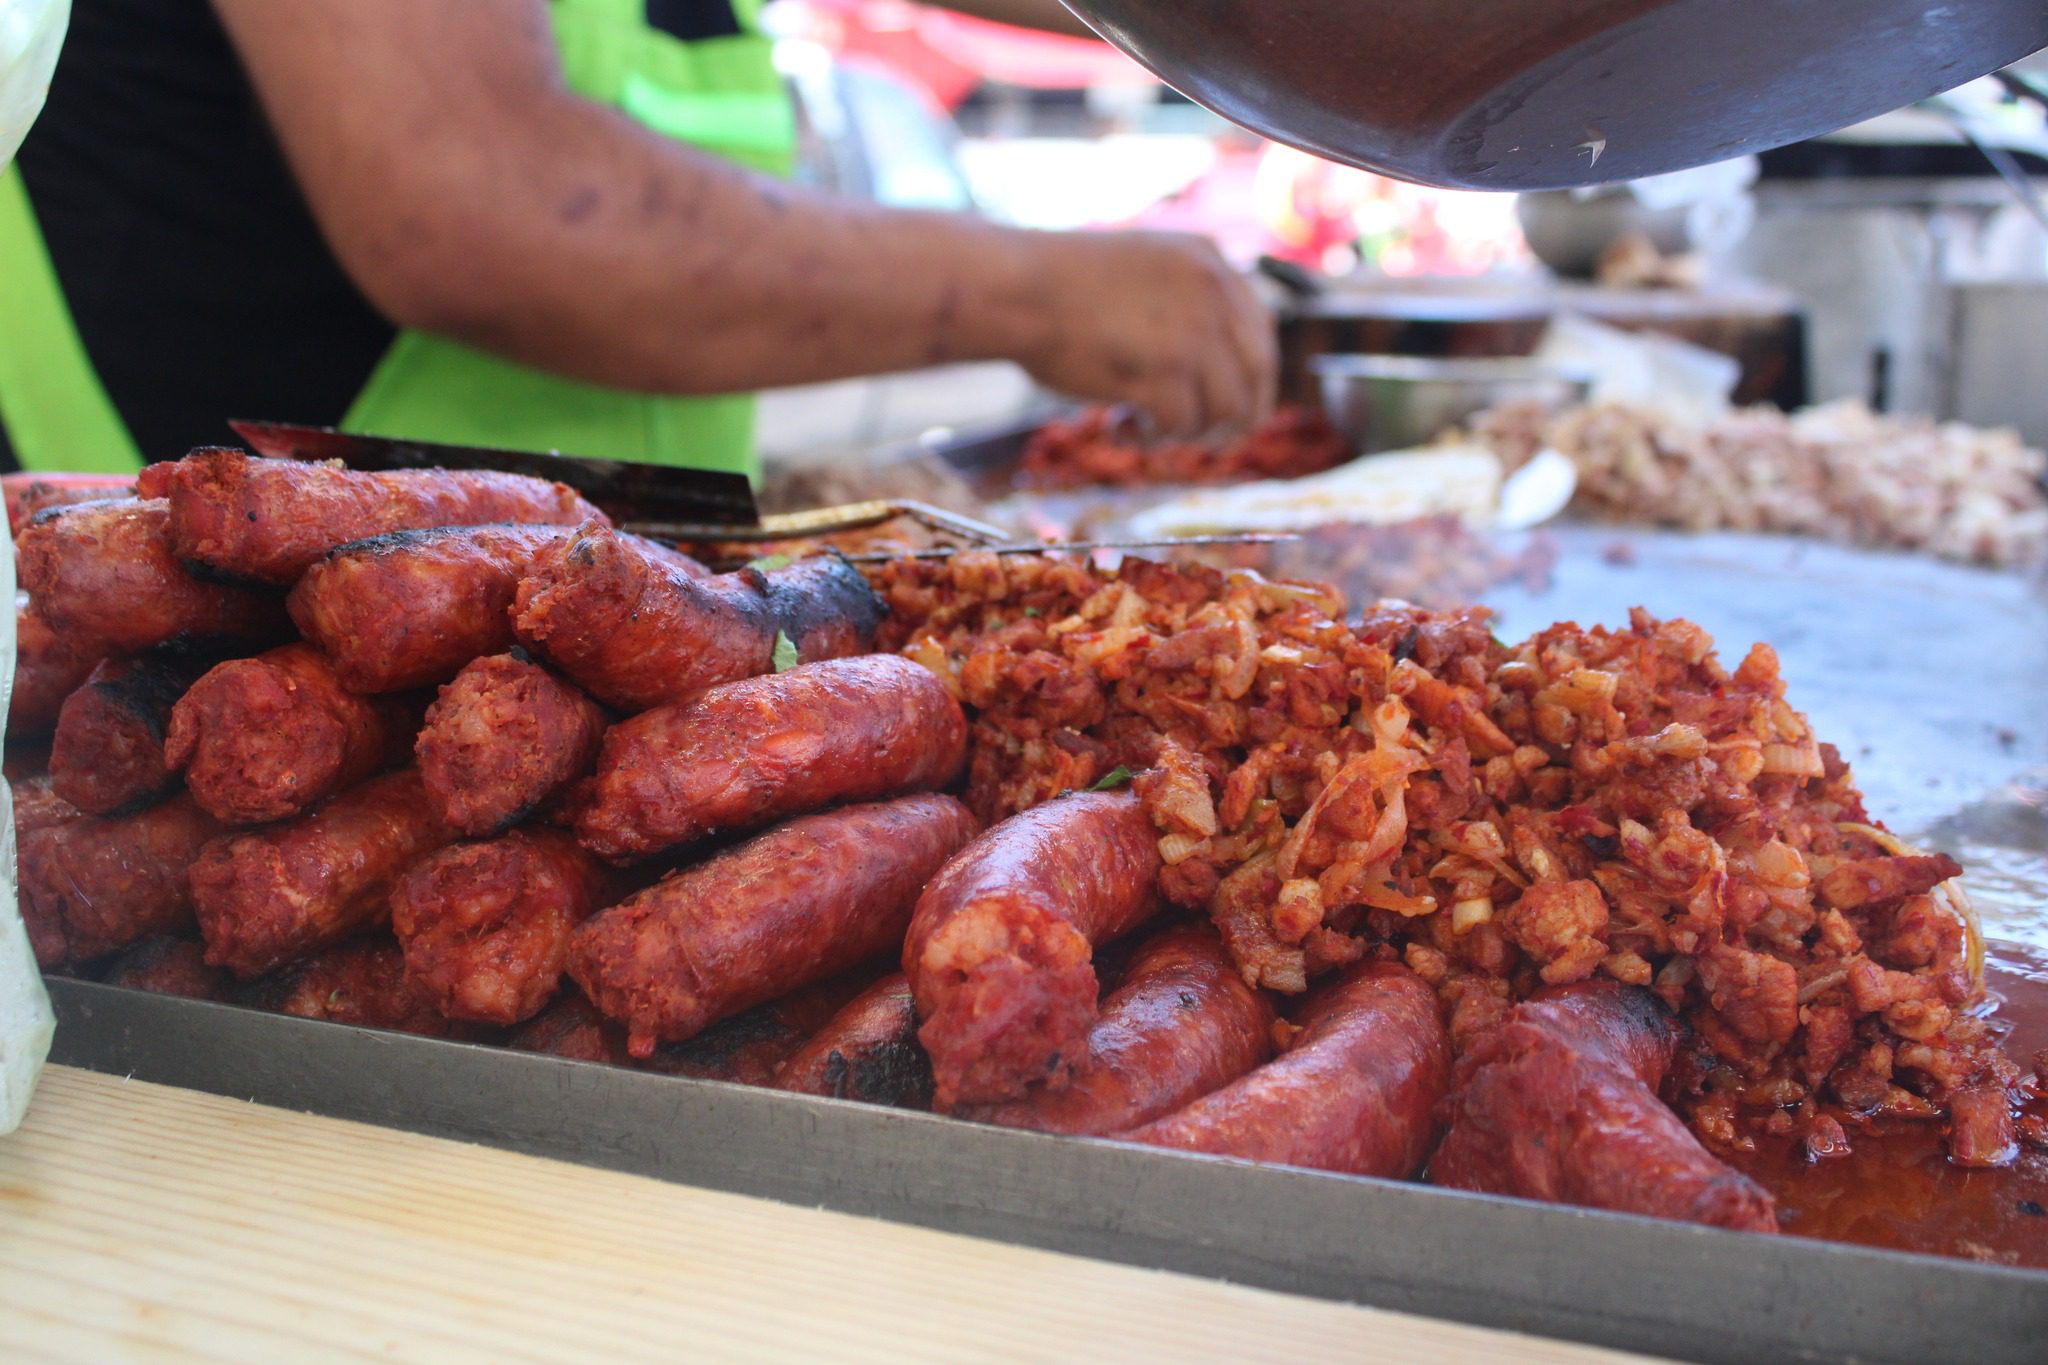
{"points": [[1392, 402]]}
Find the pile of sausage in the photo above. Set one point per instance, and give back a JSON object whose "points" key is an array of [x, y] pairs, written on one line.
{"points": [[445, 752]]}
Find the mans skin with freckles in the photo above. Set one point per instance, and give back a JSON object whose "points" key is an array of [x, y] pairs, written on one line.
{"points": [[468, 192]]}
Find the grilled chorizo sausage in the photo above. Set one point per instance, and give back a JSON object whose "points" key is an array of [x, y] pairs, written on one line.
{"points": [[91, 886], [362, 982], [572, 1027], [409, 608], [485, 926], [868, 1052], [1182, 1024], [48, 667], [795, 905], [266, 521], [169, 966], [268, 897], [264, 738], [1559, 1102], [999, 950], [637, 633], [747, 1049], [104, 573], [37, 804], [1357, 1091], [28, 494], [501, 739], [751, 1046], [108, 753], [752, 752]]}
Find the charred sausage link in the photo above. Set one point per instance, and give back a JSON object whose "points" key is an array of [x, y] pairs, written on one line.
{"points": [[502, 738], [268, 520], [795, 905], [1182, 1024], [36, 804], [1559, 1102], [362, 982], [273, 896], [868, 1052], [636, 632], [485, 926], [409, 608], [91, 886], [108, 753], [104, 574], [752, 752], [1000, 950], [170, 966], [1357, 1091], [48, 668], [265, 738]]}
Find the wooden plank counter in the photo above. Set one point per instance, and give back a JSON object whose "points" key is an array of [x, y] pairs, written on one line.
{"points": [[143, 1222]]}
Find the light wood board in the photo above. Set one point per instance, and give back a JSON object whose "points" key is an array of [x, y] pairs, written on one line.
{"points": [[143, 1222]]}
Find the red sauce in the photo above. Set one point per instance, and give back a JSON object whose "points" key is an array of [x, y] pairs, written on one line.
{"points": [[1897, 1188]]}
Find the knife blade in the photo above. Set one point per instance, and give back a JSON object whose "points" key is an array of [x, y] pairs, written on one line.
{"points": [[622, 488], [1085, 546]]}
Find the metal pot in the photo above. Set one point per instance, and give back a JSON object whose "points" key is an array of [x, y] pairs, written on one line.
{"points": [[1391, 402]]}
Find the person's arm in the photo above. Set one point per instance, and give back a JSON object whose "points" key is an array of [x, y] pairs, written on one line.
{"points": [[1049, 16], [469, 193]]}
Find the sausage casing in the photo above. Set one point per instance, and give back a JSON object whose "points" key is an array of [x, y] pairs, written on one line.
{"points": [[104, 573], [265, 738], [267, 520], [485, 926], [868, 1052], [789, 907], [409, 608], [362, 982], [37, 804], [1000, 949], [28, 494], [1559, 1102], [169, 966], [1182, 1024], [501, 739], [91, 886], [1357, 1092], [748, 1048], [108, 753], [637, 633], [752, 752], [272, 896], [48, 668]]}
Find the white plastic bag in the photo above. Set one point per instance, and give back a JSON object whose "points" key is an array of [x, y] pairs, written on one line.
{"points": [[30, 33]]}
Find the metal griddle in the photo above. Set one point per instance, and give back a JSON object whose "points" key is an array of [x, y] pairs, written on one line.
{"points": [[1608, 1279]]}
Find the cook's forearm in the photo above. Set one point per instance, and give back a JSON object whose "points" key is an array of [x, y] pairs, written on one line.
{"points": [[481, 199], [618, 257]]}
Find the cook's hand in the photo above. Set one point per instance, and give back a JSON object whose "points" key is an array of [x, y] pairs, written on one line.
{"points": [[1158, 320]]}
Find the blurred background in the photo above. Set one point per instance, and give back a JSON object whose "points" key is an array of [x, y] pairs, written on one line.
{"points": [[1902, 262]]}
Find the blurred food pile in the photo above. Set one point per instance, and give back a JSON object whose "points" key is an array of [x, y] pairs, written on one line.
{"points": [[1839, 472]]}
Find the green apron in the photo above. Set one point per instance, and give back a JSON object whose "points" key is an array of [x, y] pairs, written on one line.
{"points": [[721, 94]]}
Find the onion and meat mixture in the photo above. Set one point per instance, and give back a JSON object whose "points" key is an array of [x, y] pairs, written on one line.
{"points": [[1585, 804]]}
